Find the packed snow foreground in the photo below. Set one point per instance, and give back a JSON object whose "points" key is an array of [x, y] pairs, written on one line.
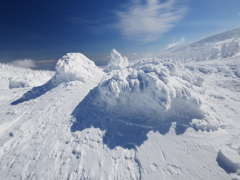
{"points": [[152, 119]]}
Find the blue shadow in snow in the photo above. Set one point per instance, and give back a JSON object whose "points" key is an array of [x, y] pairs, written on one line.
{"points": [[118, 130], [36, 92]]}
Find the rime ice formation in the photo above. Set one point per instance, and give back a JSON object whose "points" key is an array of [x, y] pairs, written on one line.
{"points": [[76, 66], [148, 95], [154, 119], [116, 62]]}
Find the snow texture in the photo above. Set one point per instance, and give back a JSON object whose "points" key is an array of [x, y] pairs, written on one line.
{"points": [[16, 77], [154, 119], [71, 67], [229, 159], [148, 95], [220, 46], [116, 62]]}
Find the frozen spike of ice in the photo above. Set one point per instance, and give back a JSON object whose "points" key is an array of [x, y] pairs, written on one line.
{"points": [[116, 62]]}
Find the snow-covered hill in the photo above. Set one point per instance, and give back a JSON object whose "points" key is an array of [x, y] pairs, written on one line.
{"points": [[153, 119], [223, 45]]}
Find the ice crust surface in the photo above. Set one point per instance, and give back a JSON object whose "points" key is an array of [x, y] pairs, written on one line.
{"points": [[152, 119]]}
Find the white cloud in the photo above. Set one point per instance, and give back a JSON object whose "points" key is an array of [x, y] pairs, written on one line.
{"points": [[25, 63], [147, 20], [181, 41]]}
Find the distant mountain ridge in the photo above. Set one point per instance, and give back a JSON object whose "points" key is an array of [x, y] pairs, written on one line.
{"points": [[222, 45]]}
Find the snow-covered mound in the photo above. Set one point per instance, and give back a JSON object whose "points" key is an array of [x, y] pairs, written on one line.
{"points": [[223, 45], [71, 67], [76, 66], [148, 95], [16, 77], [116, 62], [229, 159], [153, 119]]}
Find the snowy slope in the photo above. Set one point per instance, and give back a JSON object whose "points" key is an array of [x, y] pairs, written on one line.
{"points": [[153, 119], [16, 77], [223, 45]]}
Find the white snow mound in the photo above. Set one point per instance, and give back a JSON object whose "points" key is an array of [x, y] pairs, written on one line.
{"points": [[71, 67], [116, 62], [151, 94], [76, 66]]}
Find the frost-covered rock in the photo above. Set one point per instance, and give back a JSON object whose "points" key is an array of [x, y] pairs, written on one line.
{"points": [[76, 66], [116, 62]]}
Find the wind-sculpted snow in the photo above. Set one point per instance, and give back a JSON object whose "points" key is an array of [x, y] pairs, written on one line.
{"points": [[71, 67], [121, 129], [116, 62], [148, 95]]}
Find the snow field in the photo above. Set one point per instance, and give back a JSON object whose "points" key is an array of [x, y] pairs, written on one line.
{"points": [[153, 119]]}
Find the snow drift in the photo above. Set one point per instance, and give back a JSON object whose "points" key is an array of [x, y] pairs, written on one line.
{"points": [[121, 129], [148, 95], [71, 67]]}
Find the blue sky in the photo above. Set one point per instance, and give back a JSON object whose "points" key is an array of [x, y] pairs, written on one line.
{"points": [[46, 30]]}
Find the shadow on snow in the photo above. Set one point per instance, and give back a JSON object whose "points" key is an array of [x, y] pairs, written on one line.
{"points": [[119, 129], [36, 92]]}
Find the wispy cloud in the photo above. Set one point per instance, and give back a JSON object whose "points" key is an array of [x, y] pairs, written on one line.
{"points": [[181, 41], [238, 13], [147, 20], [25, 63], [46, 61]]}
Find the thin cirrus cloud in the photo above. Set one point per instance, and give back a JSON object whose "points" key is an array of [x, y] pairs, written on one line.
{"points": [[148, 20], [180, 42], [25, 63]]}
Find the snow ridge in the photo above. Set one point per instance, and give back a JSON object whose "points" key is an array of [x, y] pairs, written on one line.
{"points": [[71, 67], [220, 46]]}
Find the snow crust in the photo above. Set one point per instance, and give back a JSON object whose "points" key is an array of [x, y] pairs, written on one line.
{"points": [[229, 159], [116, 62]]}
